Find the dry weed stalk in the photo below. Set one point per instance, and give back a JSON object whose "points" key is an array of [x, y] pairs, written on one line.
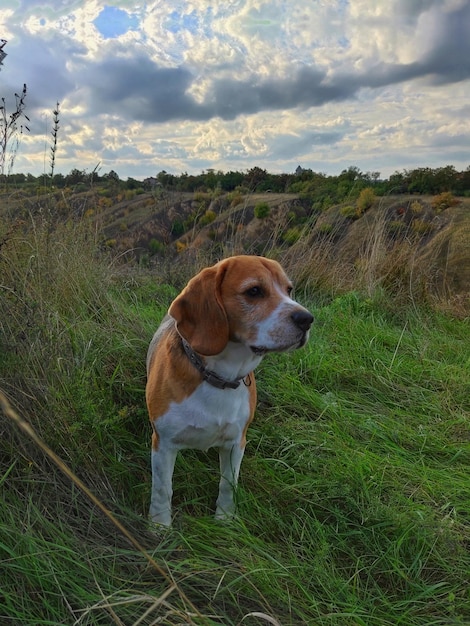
{"points": [[11, 130], [54, 132]]}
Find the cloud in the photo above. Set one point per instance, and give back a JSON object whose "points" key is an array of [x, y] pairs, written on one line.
{"points": [[132, 83], [138, 88], [449, 60], [40, 63], [290, 146], [236, 81], [141, 89]]}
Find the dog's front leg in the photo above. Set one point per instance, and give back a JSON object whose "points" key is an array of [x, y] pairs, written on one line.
{"points": [[230, 461], [163, 464]]}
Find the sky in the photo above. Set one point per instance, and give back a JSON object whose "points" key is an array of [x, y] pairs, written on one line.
{"points": [[189, 85]]}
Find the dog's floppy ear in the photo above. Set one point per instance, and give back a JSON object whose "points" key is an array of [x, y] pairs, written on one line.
{"points": [[199, 312]]}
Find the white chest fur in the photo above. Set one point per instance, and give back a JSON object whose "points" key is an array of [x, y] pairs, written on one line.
{"points": [[208, 418]]}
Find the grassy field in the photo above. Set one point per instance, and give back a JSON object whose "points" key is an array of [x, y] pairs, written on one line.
{"points": [[354, 499]]}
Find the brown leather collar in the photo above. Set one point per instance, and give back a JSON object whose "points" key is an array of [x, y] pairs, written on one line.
{"points": [[211, 377]]}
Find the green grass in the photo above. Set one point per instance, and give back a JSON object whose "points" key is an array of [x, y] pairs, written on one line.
{"points": [[354, 493]]}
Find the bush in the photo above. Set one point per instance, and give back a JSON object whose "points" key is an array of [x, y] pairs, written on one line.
{"points": [[325, 229], [365, 200], [201, 197], [177, 228], [292, 235], [349, 211], [156, 246], [208, 217], [262, 210], [443, 201], [417, 208]]}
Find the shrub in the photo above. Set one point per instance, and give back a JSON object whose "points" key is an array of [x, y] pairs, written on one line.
{"points": [[292, 235], [416, 208], [156, 246], [262, 210], [349, 211], [177, 228], [443, 201], [326, 203], [292, 216], [325, 229], [208, 217], [365, 200], [105, 203]]}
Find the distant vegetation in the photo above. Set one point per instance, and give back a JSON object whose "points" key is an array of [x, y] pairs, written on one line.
{"points": [[324, 189]]}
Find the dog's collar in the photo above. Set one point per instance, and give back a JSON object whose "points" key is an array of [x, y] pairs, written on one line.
{"points": [[211, 377]]}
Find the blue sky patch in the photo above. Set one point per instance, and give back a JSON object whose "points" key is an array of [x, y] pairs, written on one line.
{"points": [[177, 22], [113, 22]]}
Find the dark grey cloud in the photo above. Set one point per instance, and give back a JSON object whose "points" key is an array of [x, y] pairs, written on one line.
{"points": [[305, 88], [412, 9], [41, 64], [449, 61], [462, 141], [141, 89], [138, 88]]}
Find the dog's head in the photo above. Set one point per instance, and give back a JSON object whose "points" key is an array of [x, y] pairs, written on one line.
{"points": [[245, 299]]}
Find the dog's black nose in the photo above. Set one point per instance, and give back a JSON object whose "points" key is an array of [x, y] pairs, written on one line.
{"points": [[302, 319]]}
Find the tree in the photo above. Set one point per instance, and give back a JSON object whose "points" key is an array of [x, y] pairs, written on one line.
{"points": [[58, 180], [351, 174], [75, 176], [132, 183], [254, 177], [111, 176]]}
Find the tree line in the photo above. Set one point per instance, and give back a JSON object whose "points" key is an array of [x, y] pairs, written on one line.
{"points": [[327, 188]]}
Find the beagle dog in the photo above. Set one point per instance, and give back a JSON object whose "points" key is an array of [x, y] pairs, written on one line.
{"points": [[201, 391]]}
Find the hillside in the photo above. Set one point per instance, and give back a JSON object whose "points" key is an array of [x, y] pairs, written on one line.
{"points": [[405, 235]]}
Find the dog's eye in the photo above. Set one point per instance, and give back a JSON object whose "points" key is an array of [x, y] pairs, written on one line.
{"points": [[254, 292]]}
